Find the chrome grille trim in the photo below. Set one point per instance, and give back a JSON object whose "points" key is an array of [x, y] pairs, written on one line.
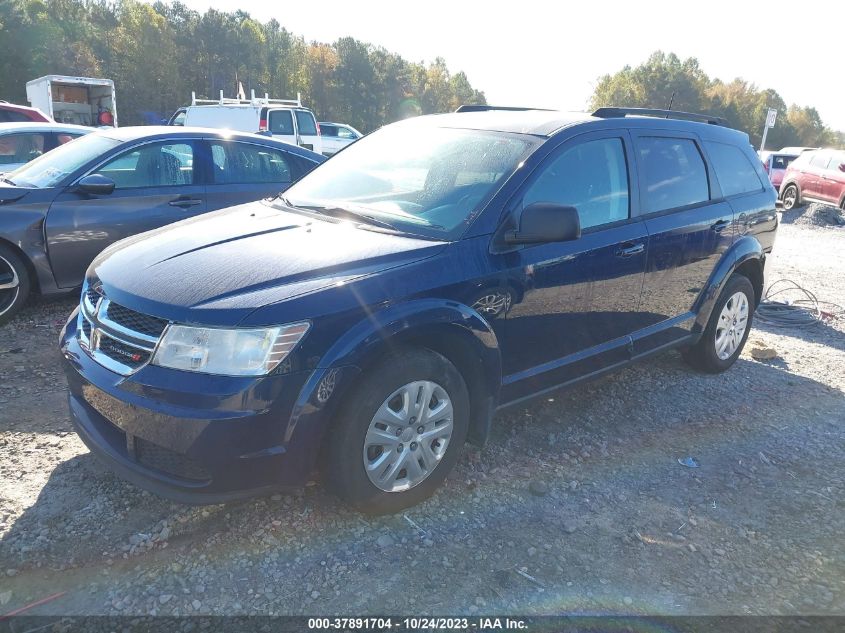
{"points": [[93, 319]]}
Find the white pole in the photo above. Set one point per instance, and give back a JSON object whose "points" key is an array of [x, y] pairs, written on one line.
{"points": [[765, 133]]}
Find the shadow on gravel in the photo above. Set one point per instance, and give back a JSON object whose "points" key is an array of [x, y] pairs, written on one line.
{"points": [[577, 503], [823, 333]]}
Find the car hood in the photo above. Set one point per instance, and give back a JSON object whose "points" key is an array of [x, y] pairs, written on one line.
{"points": [[11, 193], [217, 268]]}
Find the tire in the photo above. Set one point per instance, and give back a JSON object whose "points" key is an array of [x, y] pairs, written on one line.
{"points": [[791, 197], [355, 458], [14, 283], [718, 348]]}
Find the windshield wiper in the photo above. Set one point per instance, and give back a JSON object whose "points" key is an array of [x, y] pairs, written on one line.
{"points": [[11, 182], [341, 212]]}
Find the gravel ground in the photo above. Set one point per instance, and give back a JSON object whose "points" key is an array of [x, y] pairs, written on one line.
{"points": [[577, 504]]}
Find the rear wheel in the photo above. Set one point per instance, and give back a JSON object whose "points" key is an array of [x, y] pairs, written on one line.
{"points": [[791, 198], [401, 432], [14, 283], [727, 330]]}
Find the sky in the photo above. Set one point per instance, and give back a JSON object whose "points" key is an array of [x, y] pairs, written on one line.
{"points": [[551, 54]]}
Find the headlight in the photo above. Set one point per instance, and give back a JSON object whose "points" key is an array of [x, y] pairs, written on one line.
{"points": [[236, 352]]}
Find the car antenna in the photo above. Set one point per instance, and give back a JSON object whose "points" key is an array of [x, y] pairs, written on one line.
{"points": [[671, 101]]}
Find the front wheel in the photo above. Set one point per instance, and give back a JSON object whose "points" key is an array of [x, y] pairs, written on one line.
{"points": [[790, 197], [727, 330], [399, 434]]}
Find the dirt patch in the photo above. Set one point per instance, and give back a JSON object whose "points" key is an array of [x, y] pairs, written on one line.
{"points": [[582, 502]]}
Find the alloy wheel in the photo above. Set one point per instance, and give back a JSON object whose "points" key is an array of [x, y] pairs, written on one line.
{"points": [[9, 285], [730, 329], [790, 197], [408, 436]]}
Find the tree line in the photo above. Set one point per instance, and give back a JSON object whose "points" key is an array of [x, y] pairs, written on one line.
{"points": [[157, 54], [665, 79]]}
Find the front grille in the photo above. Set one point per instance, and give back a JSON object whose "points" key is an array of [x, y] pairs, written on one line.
{"points": [[86, 328], [135, 321], [92, 295], [170, 462], [128, 355]]}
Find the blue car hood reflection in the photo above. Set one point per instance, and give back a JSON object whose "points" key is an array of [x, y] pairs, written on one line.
{"points": [[217, 268]]}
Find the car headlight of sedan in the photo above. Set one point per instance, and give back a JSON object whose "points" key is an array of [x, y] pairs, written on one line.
{"points": [[228, 352]]}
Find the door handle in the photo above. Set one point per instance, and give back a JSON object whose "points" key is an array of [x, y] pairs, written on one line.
{"points": [[628, 249], [184, 202], [720, 225]]}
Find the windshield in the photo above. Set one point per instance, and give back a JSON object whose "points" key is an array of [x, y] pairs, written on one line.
{"points": [[430, 182], [51, 168]]}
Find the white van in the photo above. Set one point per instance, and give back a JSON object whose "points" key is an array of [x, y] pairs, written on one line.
{"points": [[285, 119]]}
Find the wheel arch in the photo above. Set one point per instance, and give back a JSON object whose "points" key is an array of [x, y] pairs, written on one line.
{"points": [[745, 256], [34, 281], [451, 329]]}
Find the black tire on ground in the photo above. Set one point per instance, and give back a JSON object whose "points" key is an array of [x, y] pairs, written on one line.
{"points": [[12, 269], [791, 197], [703, 355], [343, 465]]}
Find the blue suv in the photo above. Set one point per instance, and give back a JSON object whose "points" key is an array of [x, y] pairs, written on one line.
{"points": [[377, 315]]}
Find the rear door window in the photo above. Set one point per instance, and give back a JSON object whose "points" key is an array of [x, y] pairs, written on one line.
{"points": [[280, 122], [21, 148], [673, 173], [243, 163], [735, 172], [306, 123]]}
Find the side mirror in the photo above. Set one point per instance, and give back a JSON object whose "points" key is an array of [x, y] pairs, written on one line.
{"points": [[543, 222], [842, 167], [96, 184]]}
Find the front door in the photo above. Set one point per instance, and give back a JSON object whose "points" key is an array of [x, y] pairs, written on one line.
{"points": [[578, 300], [688, 233], [155, 184]]}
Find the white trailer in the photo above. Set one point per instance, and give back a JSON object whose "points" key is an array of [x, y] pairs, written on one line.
{"points": [[78, 100]]}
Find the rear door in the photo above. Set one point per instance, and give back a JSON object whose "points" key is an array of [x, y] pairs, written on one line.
{"points": [[690, 226], [329, 138], [156, 183], [309, 135], [243, 172], [280, 124]]}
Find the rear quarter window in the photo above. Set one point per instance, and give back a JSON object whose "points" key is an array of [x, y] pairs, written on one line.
{"points": [[674, 173], [734, 171]]}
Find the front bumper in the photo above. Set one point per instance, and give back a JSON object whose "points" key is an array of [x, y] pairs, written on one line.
{"points": [[196, 438]]}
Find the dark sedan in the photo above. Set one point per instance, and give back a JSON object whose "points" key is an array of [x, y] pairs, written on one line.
{"points": [[59, 211]]}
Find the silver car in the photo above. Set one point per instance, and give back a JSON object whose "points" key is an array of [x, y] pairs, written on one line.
{"points": [[22, 142], [336, 136]]}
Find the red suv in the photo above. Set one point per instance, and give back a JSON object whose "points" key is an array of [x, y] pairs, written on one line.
{"points": [[11, 113], [815, 177]]}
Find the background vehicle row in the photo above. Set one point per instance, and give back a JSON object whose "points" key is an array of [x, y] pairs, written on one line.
{"points": [[115, 183]]}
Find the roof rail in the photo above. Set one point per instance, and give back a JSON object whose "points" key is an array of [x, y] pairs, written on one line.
{"points": [[253, 100], [486, 108], [612, 113]]}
